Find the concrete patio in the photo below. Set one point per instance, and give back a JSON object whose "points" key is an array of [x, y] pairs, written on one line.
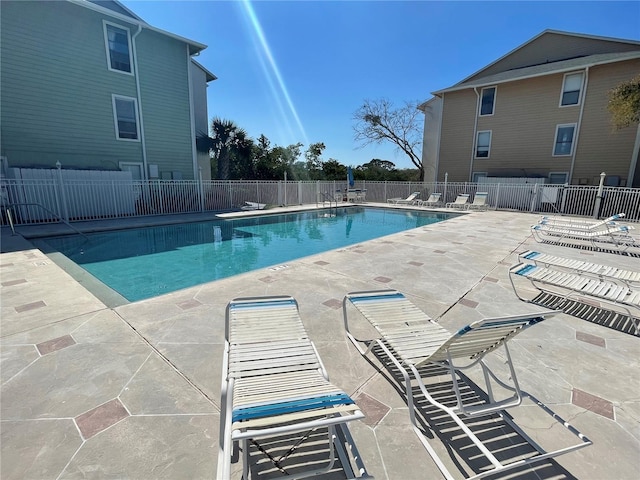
{"points": [[133, 391]]}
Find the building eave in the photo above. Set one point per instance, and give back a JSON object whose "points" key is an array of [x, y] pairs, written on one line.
{"points": [[491, 80], [194, 47], [210, 76]]}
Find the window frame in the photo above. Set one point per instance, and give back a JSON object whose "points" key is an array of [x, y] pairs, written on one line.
{"points": [[566, 177], [115, 97], [476, 175], [555, 140], [493, 106], [475, 154], [105, 24], [562, 91]]}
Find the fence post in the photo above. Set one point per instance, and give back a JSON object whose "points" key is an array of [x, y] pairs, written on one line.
{"points": [[446, 178], [63, 196], [534, 197], [300, 192], [497, 196], [596, 206], [200, 189]]}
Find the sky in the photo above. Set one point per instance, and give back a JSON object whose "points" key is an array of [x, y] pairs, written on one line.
{"points": [[296, 71]]}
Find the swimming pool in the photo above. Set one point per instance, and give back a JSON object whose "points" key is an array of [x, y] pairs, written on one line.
{"points": [[145, 262]]}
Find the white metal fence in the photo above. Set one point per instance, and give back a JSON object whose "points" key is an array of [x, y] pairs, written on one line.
{"points": [[53, 199]]}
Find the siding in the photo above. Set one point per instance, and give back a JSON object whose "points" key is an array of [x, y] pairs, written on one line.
{"points": [[552, 47], [56, 91], [56, 88], [456, 137], [164, 90], [524, 126], [600, 147]]}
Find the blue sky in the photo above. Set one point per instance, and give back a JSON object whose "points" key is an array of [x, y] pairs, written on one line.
{"points": [[302, 78]]}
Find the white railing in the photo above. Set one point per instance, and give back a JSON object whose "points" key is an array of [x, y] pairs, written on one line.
{"points": [[75, 200]]}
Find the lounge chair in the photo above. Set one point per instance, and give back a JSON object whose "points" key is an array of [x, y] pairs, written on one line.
{"points": [[568, 222], [617, 236], [412, 341], [461, 201], [432, 201], [274, 383], [582, 287], [479, 201], [253, 206], [410, 200], [615, 274]]}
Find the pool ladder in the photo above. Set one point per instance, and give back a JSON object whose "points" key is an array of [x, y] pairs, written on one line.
{"points": [[326, 197], [10, 217]]}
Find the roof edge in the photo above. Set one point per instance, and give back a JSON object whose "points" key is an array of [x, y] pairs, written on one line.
{"points": [[197, 46], [210, 76], [460, 86], [548, 30]]}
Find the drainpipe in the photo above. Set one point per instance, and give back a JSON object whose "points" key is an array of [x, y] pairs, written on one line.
{"points": [[633, 165], [475, 133], [577, 135], [143, 143], [193, 119], [596, 207]]}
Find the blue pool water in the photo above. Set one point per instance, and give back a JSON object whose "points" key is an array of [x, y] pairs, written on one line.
{"points": [[146, 262]]}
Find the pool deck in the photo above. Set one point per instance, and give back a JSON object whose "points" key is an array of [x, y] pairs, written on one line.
{"points": [[133, 391]]}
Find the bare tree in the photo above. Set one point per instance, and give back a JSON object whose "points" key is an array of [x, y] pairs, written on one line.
{"points": [[378, 121]]}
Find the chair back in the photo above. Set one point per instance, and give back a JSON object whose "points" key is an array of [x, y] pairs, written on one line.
{"points": [[480, 198], [462, 198], [483, 336]]}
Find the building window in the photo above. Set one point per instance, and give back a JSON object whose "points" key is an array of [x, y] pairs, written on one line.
{"points": [[483, 144], [488, 100], [125, 114], [564, 140], [558, 178], [571, 87], [476, 176], [118, 43]]}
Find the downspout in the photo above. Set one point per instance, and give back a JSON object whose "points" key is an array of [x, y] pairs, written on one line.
{"points": [[475, 133], [192, 114], [577, 136], [633, 165], [143, 143]]}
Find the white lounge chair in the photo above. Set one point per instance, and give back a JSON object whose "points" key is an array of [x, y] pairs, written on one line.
{"points": [[410, 200], [616, 236], [568, 222], [615, 274], [411, 341], [461, 201], [568, 285], [273, 383], [432, 201], [479, 201], [253, 206]]}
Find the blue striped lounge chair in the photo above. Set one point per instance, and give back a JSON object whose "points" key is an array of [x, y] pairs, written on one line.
{"points": [[630, 278], [412, 341], [274, 383], [607, 237], [571, 222], [582, 287]]}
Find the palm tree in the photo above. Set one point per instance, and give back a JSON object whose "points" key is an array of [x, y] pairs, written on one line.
{"points": [[226, 140]]}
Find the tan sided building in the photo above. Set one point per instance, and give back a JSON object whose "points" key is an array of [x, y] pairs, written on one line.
{"points": [[539, 111]]}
